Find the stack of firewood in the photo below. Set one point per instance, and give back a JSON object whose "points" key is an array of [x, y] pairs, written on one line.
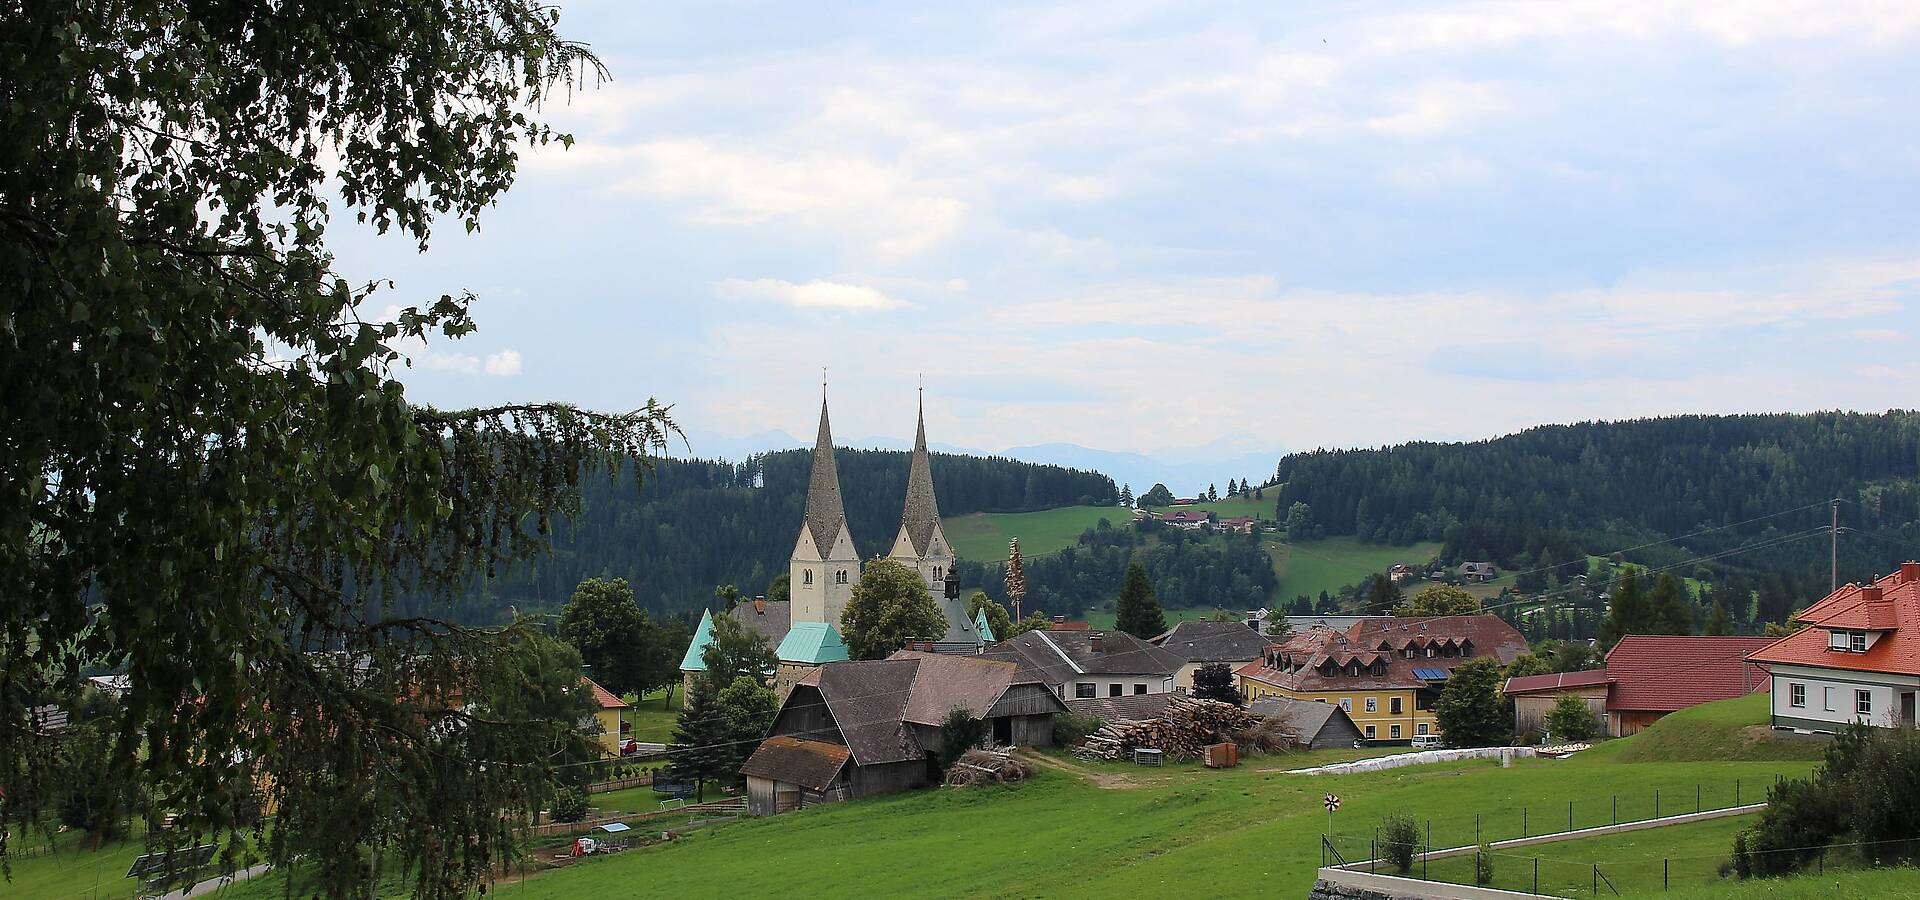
{"points": [[1188, 726]]}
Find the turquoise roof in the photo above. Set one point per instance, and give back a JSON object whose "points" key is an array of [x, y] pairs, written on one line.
{"points": [[812, 642], [702, 636], [980, 625]]}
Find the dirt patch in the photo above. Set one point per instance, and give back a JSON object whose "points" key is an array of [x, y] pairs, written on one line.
{"points": [[1106, 780]]}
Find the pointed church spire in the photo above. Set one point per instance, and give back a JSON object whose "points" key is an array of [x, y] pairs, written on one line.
{"points": [[922, 511], [825, 514]]}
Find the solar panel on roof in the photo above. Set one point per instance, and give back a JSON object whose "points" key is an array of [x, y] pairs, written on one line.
{"points": [[1430, 674]]}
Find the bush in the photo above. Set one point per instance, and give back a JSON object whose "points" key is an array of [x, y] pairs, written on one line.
{"points": [[1867, 790], [958, 734], [1399, 838], [1570, 719], [1483, 865], [569, 805], [1071, 728]]}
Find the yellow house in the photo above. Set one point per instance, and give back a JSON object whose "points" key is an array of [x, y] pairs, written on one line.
{"points": [[611, 716], [1386, 673]]}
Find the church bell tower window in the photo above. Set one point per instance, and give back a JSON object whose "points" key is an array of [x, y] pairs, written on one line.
{"points": [[806, 576]]}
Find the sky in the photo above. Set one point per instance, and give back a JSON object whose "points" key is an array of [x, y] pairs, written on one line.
{"points": [[1145, 226]]}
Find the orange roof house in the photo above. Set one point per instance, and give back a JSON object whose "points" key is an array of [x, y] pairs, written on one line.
{"points": [[1856, 660], [611, 715]]}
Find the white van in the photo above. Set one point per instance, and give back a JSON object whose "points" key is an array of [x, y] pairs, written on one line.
{"points": [[1428, 742]]}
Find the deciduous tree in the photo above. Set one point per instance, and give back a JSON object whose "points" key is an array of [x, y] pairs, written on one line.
{"points": [[1214, 681], [215, 480], [748, 706], [1440, 600], [1570, 719], [889, 606], [601, 621], [1470, 707], [734, 650]]}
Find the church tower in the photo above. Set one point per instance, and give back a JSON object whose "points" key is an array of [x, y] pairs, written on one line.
{"points": [[922, 545], [825, 564]]}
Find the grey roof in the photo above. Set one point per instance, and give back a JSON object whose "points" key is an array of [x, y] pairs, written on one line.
{"points": [[771, 619], [961, 628], [922, 511], [1056, 657], [1305, 718], [825, 514], [875, 703], [1213, 642], [1130, 706]]}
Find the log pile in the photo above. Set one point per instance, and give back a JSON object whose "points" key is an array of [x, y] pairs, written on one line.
{"points": [[1183, 732], [983, 766]]}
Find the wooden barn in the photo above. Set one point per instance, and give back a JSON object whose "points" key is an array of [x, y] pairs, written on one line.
{"points": [[854, 729]]}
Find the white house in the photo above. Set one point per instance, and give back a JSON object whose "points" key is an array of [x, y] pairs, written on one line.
{"points": [[1856, 660]]}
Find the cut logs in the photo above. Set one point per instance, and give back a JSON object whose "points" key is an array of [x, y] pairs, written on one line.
{"points": [[1184, 731]]}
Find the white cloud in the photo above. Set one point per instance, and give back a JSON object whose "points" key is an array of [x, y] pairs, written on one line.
{"points": [[814, 294], [506, 362]]}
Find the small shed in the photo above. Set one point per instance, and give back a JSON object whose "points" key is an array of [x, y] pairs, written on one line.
{"points": [[786, 773], [1316, 725]]}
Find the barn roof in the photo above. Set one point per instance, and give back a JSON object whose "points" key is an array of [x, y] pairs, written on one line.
{"points": [[1305, 718], [1665, 672], [810, 764], [1213, 642]]}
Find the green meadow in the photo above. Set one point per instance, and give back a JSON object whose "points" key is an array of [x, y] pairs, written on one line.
{"points": [[1328, 564], [984, 536]]}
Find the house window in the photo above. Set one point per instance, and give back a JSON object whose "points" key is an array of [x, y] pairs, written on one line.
{"points": [[1826, 698], [1346, 704], [1836, 640], [806, 576], [1083, 691], [1863, 702], [1796, 695], [1372, 704], [1370, 732], [1393, 705], [1113, 690], [1429, 652], [1859, 641], [1354, 669], [1420, 728], [1139, 688], [1394, 732]]}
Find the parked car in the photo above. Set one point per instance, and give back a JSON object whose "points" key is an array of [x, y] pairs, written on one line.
{"points": [[1428, 742]]}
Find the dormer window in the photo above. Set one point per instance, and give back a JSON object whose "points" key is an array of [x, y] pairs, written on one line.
{"points": [[1354, 669], [1858, 641]]}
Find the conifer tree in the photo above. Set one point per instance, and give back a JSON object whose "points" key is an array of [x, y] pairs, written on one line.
{"points": [[1137, 613], [1627, 609], [1717, 621], [1672, 613], [700, 739]]}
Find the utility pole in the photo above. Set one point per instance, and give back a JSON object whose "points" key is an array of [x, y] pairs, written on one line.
{"points": [[1833, 548]]}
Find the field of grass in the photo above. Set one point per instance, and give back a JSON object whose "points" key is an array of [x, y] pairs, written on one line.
{"points": [[1634, 863], [71, 870], [1249, 831], [984, 536], [653, 718], [1726, 730], [1103, 618], [1228, 507], [1903, 882], [1309, 567]]}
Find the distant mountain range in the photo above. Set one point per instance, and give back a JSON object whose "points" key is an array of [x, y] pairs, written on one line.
{"points": [[1185, 471]]}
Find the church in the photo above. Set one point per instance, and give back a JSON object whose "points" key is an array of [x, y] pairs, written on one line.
{"points": [[825, 567]]}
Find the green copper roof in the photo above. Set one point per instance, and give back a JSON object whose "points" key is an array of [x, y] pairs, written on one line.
{"points": [[812, 642], [702, 636], [980, 625]]}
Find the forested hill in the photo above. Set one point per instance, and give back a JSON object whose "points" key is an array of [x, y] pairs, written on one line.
{"points": [[698, 524], [1621, 483]]}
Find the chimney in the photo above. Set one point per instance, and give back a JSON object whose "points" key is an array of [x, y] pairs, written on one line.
{"points": [[1095, 641], [1059, 620], [1909, 572], [760, 605], [1870, 594]]}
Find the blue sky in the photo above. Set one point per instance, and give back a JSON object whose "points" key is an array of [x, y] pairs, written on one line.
{"points": [[1142, 226]]}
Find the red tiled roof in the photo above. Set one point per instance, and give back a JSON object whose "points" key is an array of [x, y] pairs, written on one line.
{"points": [[1665, 672], [1310, 650], [1067, 626], [1895, 613], [604, 697], [1556, 681]]}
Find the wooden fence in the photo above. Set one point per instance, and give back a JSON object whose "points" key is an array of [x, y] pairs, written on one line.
{"points": [[643, 779]]}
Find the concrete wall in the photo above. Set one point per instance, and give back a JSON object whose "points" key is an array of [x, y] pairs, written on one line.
{"points": [[1339, 884]]}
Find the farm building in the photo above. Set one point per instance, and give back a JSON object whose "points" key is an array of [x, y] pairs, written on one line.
{"points": [[855, 729], [1318, 726], [1533, 696], [1646, 677]]}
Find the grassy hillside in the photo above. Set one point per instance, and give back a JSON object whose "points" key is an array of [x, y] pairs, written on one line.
{"points": [[1728, 729], [1633, 862], [1309, 567], [984, 536], [1245, 832], [1228, 507], [1103, 618]]}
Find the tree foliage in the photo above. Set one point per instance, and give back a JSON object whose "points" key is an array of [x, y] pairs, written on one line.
{"points": [[1672, 610], [890, 605], [747, 706], [1440, 600], [626, 649], [959, 731], [1136, 612], [1570, 719], [1214, 681], [701, 750], [1158, 495], [997, 617], [1866, 791], [736, 651], [1184, 568], [1628, 610], [215, 480], [1399, 840], [1470, 709]]}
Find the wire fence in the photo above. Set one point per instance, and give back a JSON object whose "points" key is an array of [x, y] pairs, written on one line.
{"points": [[1446, 848]]}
